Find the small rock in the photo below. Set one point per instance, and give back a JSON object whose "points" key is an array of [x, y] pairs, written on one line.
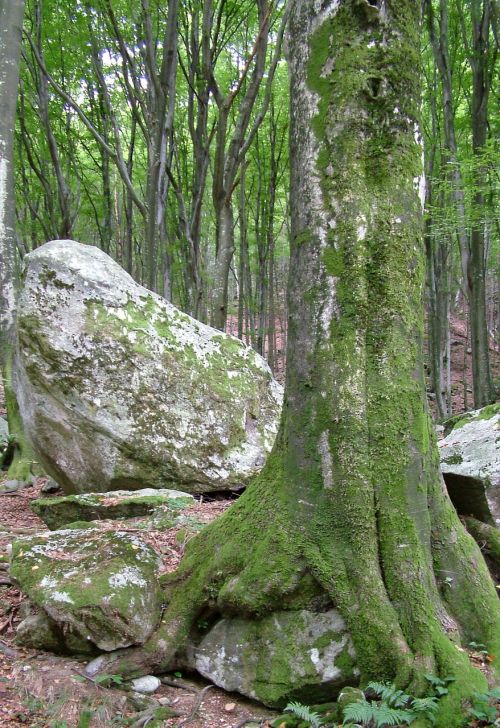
{"points": [[164, 701], [229, 707], [146, 685], [50, 486]]}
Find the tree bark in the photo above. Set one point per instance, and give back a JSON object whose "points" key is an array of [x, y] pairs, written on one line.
{"points": [[351, 505], [11, 20], [481, 373], [471, 245]]}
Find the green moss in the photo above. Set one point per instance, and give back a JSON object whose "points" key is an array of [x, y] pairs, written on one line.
{"points": [[454, 460], [486, 413], [50, 570], [56, 512], [333, 262]]}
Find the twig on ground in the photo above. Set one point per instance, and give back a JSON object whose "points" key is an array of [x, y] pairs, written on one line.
{"points": [[196, 706], [180, 684], [8, 651]]}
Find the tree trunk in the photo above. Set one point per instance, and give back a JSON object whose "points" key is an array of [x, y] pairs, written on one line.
{"points": [[225, 250], [351, 504], [481, 373], [11, 20]]}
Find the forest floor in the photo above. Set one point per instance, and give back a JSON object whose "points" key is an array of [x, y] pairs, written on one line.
{"points": [[42, 690]]}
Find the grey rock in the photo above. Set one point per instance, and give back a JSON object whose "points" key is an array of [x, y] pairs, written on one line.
{"points": [[8, 486], [50, 487], [470, 461], [38, 631], [118, 389], [4, 429], [147, 684], [58, 512], [286, 656], [98, 587]]}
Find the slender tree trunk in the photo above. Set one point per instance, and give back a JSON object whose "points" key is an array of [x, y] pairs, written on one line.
{"points": [[481, 372], [11, 20], [471, 246], [350, 506], [243, 244], [225, 250]]}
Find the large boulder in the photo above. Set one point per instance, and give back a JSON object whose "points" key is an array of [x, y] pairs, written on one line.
{"points": [[90, 589], [116, 504], [470, 461], [289, 655], [119, 389]]}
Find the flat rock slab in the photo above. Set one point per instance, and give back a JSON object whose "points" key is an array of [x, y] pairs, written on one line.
{"points": [[470, 462], [101, 588], [300, 655], [118, 389], [118, 504]]}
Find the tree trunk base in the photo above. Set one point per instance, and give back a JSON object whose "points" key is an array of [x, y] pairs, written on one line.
{"points": [[257, 558]]}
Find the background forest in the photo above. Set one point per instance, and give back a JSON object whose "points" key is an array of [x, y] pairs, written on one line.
{"points": [[170, 152]]}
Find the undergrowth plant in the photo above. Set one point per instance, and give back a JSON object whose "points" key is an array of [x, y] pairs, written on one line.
{"points": [[484, 708], [391, 707], [305, 714], [383, 705]]}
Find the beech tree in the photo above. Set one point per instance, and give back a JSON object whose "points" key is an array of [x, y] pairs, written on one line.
{"points": [[11, 17], [351, 504]]}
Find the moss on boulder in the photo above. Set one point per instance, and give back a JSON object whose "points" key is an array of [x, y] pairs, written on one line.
{"points": [[118, 504], [299, 655], [95, 587], [470, 462], [118, 389]]}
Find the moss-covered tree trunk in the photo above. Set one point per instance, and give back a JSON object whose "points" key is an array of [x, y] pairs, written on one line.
{"points": [[11, 20], [351, 504]]}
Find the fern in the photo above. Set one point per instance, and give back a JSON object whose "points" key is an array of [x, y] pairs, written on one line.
{"points": [[426, 707], [388, 693], [304, 713], [368, 713]]}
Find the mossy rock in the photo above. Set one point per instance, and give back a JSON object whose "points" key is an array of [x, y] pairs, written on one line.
{"points": [[100, 587], [118, 389], [119, 504], [470, 461], [289, 655]]}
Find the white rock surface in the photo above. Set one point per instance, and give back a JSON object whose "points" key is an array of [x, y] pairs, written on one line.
{"points": [[119, 389], [470, 461], [146, 685], [298, 655], [97, 589]]}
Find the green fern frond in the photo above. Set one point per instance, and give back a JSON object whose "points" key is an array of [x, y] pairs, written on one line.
{"points": [[386, 715], [359, 712], [304, 713], [367, 713], [424, 705], [389, 693]]}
